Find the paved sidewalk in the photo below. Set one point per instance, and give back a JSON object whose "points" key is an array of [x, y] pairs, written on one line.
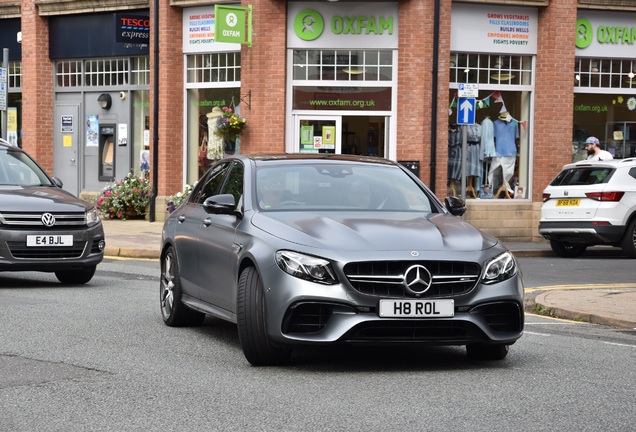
{"points": [[613, 306]]}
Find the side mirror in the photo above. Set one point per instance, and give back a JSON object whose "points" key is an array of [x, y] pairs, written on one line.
{"points": [[455, 206], [57, 182], [220, 204]]}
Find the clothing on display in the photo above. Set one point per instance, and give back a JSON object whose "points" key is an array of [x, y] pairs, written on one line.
{"points": [[506, 135], [488, 138], [454, 152]]}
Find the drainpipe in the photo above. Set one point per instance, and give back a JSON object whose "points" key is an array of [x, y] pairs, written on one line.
{"points": [[433, 164], [155, 117]]}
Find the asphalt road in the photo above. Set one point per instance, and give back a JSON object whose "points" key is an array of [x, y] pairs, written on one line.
{"points": [[99, 358]]}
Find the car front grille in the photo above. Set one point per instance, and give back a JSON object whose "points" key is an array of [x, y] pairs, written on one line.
{"points": [[35, 219], [21, 250], [386, 278]]}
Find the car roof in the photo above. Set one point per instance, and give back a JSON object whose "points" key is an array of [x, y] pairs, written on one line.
{"points": [[612, 163], [316, 157]]}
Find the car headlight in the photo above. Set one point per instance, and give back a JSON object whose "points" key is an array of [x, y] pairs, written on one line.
{"points": [[499, 269], [92, 217], [306, 267]]}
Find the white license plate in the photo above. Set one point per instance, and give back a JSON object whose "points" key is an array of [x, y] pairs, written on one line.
{"points": [[417, 308], [49, 240]]}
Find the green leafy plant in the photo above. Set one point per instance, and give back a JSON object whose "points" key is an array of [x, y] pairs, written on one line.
{"points": [[229, 125], [125, 198], [174, 201]]}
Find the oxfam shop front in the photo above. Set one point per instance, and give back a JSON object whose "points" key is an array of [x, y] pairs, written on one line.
{"points": [[341, 78]]}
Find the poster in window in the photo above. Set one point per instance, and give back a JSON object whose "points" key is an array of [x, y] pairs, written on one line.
{"points": [[92, 128], [329, 136], [307, 134]]}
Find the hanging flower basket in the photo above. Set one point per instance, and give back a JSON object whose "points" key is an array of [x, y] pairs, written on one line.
{"points": [[229, 125]]}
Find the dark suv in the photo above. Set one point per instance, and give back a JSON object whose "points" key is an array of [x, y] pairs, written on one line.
{"points": [[43, 227]]}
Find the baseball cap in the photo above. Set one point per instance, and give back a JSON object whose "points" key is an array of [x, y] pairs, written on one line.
{"points": [[592, 140]]}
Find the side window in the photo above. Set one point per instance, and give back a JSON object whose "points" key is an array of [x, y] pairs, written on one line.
{"points": [[234, 182], [212, 183], [632, 172]]}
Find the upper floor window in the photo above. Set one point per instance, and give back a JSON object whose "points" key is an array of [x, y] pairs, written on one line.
{"points": [[105, 72], [343, 65], [214, 67], [496, 69]]}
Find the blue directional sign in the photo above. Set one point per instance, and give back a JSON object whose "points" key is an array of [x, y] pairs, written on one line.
{"points": [[466, 111]]}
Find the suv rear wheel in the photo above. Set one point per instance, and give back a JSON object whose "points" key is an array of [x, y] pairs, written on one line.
{"points": [[629, 241], [567, 250]]}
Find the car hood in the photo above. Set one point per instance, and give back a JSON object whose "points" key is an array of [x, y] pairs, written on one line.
{"points": [[359, 231], [40, 199]]}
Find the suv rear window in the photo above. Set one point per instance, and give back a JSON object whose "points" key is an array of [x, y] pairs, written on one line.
{"points": [[583, 176]]}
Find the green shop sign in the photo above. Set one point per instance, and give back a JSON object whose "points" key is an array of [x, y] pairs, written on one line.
{"points": [[233, 24], [607, 35], [309, 25]]}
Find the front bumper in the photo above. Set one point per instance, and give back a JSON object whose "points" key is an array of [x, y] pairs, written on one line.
{"points": [[15, 255], [487, 314]]}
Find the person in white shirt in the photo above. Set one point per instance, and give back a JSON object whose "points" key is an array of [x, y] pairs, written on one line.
{"points": [[594, 152]]}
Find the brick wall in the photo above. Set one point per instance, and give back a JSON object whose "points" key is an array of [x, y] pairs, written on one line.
{"points": [[554, 93], [37, 88], [170, 100], [263, 69]]}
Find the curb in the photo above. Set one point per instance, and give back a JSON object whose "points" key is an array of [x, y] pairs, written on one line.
{"points": [[115, 252], [575, 316]]}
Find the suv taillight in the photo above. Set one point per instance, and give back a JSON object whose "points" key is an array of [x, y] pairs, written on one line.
{"points": [[545, 196], [605, 196]]}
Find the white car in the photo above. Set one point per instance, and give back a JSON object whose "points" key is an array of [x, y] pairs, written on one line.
{"points": [[591, 203]]}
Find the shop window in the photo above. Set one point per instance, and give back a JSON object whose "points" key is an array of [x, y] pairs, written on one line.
{"points": [[343, 65], [68, 73], [140, 70], [496, 161], [495, 69], [15, 76], [214, 67], [105, 72], [605, 73]]}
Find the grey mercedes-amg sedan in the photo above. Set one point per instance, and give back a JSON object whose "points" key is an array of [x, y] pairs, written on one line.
{"points": [[323, 249]]}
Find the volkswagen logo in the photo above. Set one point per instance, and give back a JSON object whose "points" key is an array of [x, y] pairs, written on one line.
{"points": [[48, 219], [417, 280]]}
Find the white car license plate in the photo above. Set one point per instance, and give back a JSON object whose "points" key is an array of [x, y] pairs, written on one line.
{"points": [[417, 308], [49, 240]]}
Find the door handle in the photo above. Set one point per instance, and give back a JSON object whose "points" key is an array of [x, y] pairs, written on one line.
{"points": [[181, 219], [72, 160], [207, 221]]}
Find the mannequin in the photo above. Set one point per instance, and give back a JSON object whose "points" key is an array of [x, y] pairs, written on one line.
{"points": [[215, 142], [473, 158], [506, 134]]}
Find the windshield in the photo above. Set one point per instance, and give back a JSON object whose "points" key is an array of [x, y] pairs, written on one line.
{"points": [[347, 186], [18, 169]]}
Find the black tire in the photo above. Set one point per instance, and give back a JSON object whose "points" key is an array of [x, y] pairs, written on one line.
{"points": [[252, 323], [487, 352], [567, 250], [173, 311], [76, 277], [629, 241]]}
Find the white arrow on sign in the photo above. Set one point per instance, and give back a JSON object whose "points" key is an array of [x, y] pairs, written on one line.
{"points": [[466, 107]]}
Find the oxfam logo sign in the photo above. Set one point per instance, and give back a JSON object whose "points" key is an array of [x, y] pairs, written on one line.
{"points": [[309, 25], [584, 33]]}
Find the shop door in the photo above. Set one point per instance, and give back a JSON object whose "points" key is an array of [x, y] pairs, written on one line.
{"points": [[66, 146], [317, 134]]}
